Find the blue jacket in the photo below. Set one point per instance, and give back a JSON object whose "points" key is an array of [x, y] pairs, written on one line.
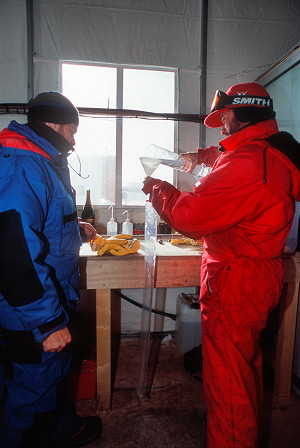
{"points": [[39, 235]]}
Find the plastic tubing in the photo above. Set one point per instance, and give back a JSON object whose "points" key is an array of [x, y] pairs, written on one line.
{"points": [[150, 264]]}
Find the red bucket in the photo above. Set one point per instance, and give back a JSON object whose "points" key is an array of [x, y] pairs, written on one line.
{"points": [[83, 380]]}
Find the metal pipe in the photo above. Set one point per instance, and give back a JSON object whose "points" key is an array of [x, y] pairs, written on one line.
{"points": [[30, 48], [203, 63], [13, 108]]}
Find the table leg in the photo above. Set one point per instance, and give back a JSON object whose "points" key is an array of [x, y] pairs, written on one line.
{"points": [[285, 340], [103, 348]]}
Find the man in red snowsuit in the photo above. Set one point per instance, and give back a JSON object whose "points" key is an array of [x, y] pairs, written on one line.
{"points": [[244, 210]]}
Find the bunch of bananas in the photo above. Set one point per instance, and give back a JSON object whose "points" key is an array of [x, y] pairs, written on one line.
{"points": [[119, 245], [185, 240]]}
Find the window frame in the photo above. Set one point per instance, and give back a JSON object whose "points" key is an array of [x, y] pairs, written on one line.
{"points": [[119, 122]]}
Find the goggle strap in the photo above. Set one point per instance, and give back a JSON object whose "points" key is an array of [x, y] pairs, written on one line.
{"points": [[222, 100]]}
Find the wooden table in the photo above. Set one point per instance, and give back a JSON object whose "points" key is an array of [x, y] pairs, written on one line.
{"points": [[176, 266]]}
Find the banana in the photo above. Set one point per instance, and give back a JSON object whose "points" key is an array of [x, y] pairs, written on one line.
{"points": [[181, 241], [197, 242], [136, 245], [187, 241], [120, 251], [123, 235], [107, 247], [121, 244], [97, 243], [132, 248]]}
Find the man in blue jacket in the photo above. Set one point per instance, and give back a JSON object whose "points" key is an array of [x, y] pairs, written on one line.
{"points": [[39, 247]]}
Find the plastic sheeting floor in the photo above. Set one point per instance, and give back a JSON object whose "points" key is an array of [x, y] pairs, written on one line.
{"points": [[173, 413]]}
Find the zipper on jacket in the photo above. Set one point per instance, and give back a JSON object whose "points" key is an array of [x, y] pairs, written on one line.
{"points": [[265, 165]]}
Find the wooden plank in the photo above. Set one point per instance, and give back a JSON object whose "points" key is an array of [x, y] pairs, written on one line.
{"points": [[115, 273], [291, 264], [130, 273], [173, 272], [103, 348], [285, 340]]}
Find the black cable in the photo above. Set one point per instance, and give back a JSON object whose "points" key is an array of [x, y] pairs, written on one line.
{"points": [[139, 305]]}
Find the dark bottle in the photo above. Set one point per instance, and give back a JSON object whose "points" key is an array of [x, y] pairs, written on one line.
{"points": [[88, 212], [163, 228]]}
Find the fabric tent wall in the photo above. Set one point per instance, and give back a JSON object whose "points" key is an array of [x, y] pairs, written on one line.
{"points": [[13, 51]]}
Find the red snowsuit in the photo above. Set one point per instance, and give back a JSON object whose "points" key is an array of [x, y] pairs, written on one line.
{"points": [[244, 210]]}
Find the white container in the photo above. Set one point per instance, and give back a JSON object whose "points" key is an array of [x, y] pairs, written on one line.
{"points": [[127, 226], [111, 227], [292, 239], [188, 329]]}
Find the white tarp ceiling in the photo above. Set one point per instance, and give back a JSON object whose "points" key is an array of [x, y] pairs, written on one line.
{"points": [[146, 32]]}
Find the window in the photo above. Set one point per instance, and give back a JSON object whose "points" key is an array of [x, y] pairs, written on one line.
{"points": [[282, 81], [108, 148]]}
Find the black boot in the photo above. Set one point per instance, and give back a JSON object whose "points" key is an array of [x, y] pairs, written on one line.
{"points": [[89, 430]]}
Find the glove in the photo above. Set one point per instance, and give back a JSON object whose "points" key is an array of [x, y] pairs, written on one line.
{"points": [[149, 183]]}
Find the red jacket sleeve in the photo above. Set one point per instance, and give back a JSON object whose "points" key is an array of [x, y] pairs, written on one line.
{"points": [[208, 155], [217, 202]]}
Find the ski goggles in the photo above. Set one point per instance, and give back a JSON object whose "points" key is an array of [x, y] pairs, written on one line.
{"points": [[222, 100]]}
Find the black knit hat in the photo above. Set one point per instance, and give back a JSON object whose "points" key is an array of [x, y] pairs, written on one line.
{"points": [[52, 107]]}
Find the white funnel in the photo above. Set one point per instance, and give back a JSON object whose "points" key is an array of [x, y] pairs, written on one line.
{"points": [[149, 164], [156, 155]]}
